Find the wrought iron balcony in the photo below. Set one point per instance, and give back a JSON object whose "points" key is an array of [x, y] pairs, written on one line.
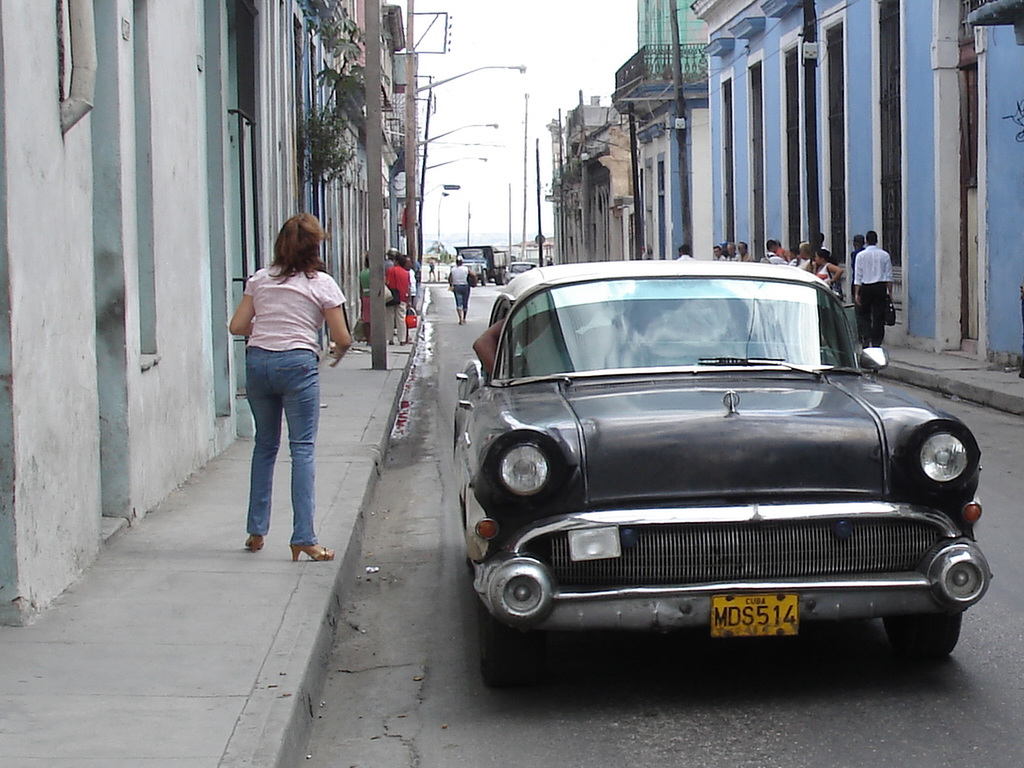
{"points": [[648, 73]]}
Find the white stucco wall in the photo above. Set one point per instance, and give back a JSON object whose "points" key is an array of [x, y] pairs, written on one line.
{"points": [[169, 403], [49, 253], [701, 190], [70, 227]]}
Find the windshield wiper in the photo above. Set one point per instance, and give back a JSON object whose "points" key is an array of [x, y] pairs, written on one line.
{"points": [[752, 361]]}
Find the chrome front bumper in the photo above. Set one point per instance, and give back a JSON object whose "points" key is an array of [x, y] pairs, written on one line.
{"points": [[521, 590]]}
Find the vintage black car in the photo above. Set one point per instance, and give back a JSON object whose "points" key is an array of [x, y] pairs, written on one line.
{"points": [[702, 444]]}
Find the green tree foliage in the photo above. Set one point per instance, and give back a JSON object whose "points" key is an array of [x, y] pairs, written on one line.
{"points": [[329, 129]]}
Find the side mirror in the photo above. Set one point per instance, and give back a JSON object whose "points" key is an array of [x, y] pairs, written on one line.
{"points": [[873, 358], [470, 380]]}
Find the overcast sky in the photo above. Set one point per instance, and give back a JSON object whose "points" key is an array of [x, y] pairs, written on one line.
{"points": [[566, 45]]}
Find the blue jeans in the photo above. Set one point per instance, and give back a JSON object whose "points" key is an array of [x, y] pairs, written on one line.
{"points": [[289, 382], [461, 296]]}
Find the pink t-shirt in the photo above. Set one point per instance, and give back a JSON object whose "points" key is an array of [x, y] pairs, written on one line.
{"points": [[290, 312]]}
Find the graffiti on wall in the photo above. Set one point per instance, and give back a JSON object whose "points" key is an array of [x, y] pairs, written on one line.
{"points": [[1018, 119]]}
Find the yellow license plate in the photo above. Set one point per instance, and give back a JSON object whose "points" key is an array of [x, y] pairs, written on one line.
{"points": [[754, 615]]}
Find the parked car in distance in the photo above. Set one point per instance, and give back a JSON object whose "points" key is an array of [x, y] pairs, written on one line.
{"points": [[518, 267], [673, 444]]}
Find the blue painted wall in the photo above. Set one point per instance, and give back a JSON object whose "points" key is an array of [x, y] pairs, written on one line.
{"points": [[919, 174], [860, 193], [1004, 84], [1005, 189]]}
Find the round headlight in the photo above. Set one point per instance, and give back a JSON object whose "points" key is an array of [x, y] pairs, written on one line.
{"points": [[943, 457], [524, 469]]}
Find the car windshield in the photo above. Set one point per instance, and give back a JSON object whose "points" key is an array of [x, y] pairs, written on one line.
{"points": [[675, 322]]}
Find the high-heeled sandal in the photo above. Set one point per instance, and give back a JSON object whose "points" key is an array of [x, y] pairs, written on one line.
{"points": [[254, 543], [315, 552]]}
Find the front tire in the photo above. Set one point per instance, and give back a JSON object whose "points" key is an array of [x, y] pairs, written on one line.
{"points": [[509, 657], [923, 636]]}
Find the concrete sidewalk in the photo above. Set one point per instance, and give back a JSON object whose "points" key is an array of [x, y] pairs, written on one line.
{"points": [[956, 375], [179, 648]]}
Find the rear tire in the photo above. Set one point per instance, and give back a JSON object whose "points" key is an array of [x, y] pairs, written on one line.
{"points": [[509, 657], [925, 635]]}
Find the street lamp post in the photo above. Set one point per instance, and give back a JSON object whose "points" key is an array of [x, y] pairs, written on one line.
{"points": [[411, 223], [427, 138], [456, 160], [447, 189], [428, 86]]}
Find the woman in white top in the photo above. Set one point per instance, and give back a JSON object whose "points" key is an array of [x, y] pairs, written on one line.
{"points": [[828, 272], [458, 278], [282, 311]]}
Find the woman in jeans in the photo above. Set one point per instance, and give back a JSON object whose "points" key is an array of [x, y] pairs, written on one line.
{"points": [[282, 311]]}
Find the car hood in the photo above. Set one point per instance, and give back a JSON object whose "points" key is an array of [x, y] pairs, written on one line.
{"points": [[782, 436]]}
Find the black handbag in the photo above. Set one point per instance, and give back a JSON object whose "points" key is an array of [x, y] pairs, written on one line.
{"points": [[890, 313], [395, 299]]}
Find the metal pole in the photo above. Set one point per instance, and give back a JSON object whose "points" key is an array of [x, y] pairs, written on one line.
{"points": [[540, 226], [560, 235], [375, 185], [680, 128], [811, 123], [411, 225], [423, 174], [526, 154], [638, 198]]}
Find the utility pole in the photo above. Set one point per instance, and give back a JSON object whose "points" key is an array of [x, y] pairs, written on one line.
{"points": [[526, 156], [638, 198], [411, 225], [560, 220], [810, 52], [540, 225], [423, 175], [375, 186], [680, 127]]}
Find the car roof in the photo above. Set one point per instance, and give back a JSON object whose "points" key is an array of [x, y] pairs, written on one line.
{"points": [[565, 274]]}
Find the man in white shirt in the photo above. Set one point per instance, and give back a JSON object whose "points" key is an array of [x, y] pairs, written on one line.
{"points": [[872, 290], [684, 252]]}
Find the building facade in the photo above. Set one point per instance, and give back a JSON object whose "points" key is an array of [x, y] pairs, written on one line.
{"points": [[633, 181], [151, 151], [670, 130], [911, 130]]}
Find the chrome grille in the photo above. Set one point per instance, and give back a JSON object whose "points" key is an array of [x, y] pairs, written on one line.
{"points": [[697, 553]]}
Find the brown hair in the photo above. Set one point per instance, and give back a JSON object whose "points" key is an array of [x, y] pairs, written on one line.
{"points": [[297, 248]]}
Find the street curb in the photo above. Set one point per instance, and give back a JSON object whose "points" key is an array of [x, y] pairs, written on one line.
{"points": [[275, 724], [982, 395]]}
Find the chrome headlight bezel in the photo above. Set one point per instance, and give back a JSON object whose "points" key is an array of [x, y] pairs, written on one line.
{"points": [[524, 469], [550, 467], [943, 455]]}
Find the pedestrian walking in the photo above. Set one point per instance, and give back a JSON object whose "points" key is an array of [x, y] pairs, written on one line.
{"points": [[804, 258], [776, 254], [282, 311], [364, 298], [396, 279], [1021, 374], [830, 273], [458, 282], [858, 246], [872, 290]]}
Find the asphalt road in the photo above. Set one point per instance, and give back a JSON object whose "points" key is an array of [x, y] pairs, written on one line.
{"points": [[404, 688]]}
